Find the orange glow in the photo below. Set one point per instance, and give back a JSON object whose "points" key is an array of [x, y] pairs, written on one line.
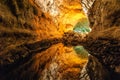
{"points": [[70, 15]]}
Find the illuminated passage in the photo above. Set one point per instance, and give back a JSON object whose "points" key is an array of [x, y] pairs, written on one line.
{"points": [[82, 26]]}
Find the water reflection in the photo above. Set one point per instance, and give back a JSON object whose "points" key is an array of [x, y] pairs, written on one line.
{"points": [[60, 62], [81, 51]]}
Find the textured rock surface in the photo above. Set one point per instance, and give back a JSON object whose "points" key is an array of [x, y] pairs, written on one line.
{"points": [[28, 34], [96, 70], [56, 63], [65, 13], [87, 4], [104, 41]]}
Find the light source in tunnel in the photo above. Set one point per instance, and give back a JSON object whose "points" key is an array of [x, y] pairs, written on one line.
{"points": [[82, 26], [81, 51]]}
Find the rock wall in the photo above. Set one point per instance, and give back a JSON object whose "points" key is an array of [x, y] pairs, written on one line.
{"points": [[28, 34], [103, 41], [29, 37]]}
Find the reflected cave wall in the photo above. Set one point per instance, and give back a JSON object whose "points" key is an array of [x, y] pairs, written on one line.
{"points": [[21, 26], [104, 40]]}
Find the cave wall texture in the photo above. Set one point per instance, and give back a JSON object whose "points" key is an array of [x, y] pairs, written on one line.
{"points": [[104, 40], [35, 43], [27, 32]]}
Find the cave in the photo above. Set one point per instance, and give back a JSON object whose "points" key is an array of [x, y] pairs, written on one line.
{"points": [[59, 40]]}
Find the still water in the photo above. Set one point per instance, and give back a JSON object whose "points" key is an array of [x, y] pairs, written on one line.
{"points": [[61, 62]]}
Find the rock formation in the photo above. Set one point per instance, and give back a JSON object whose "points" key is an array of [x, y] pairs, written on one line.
{"points": [[29, 35], [103, 41], [36, 40]]}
